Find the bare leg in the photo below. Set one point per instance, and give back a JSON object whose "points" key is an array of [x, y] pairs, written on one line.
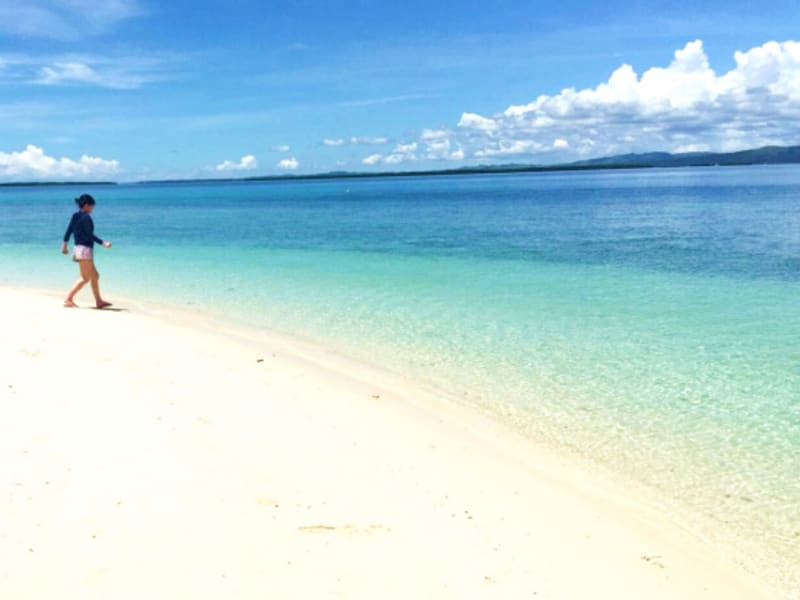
{"points": [[70, 301], [99, 302], [86, 268]]}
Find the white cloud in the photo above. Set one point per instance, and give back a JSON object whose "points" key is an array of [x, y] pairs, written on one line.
{"points": [[117, 72], [246, 163], [510, 148], [685, 105], [288, 164], [434, 134], [64, 19], [33, 162], [405, 148], [356, 141], [439, 145], [68, 72], [102, 14], [457, 154], [433, 144], [368, 141], [388, 99], [477, 122], [403, 152], [692, 148], [281, 148]]}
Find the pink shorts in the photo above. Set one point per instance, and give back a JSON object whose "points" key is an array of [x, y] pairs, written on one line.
{"points": [[81, 253]]}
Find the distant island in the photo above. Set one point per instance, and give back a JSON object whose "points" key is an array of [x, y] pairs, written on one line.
{"points": [[768, 155], [53, 183]]}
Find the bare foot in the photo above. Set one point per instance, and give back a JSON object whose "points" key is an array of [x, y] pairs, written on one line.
{"points": [[103, 304], [70, 304]]}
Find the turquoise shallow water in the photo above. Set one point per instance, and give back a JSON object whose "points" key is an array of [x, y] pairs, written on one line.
{"points": [[648, 319]]}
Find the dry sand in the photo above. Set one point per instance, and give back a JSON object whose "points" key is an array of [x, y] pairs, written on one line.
{"points": [[157, 457]]}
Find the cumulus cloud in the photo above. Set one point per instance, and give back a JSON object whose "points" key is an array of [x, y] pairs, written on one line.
{"points": [[405, 148], [433, 144], [356, 141], [509, 148], [402, 153], [434, 134], [438, 145], [369, 141], [477, 122], [246, 163], [281, 148], [684, 106], [34, 163], [288, 164], [372, 159]]}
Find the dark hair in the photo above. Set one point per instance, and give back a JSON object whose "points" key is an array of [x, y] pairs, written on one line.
{"points": [[84, 200]]}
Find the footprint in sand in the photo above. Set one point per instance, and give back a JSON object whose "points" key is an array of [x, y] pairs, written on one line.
{"points": [[654, 560], [351, 529], [31, 353]]}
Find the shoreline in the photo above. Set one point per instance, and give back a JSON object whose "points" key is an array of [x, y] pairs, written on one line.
{"points": [[381, 474], [747, 546]]}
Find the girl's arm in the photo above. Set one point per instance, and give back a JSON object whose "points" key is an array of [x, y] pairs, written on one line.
{"points": [[90, 226], [68, 233], [70, 227], [96, 239]]}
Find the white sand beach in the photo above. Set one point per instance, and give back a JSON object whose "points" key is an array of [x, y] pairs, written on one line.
{"points": [[155, 457]]}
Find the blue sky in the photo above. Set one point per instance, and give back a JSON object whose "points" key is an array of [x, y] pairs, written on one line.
{"points": [[132, 89]]}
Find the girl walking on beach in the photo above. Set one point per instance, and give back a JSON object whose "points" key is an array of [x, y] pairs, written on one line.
{"points": [[81, 227]]}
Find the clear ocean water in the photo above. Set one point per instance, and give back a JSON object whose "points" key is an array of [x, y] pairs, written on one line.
{"points": [[647, 319]]}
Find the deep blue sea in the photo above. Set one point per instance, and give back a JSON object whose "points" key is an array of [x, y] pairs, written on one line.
{"points": [[648, 319]]}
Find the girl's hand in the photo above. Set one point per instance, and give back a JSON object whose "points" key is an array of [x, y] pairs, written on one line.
{"points": [[64, 249], [106, 244]]}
